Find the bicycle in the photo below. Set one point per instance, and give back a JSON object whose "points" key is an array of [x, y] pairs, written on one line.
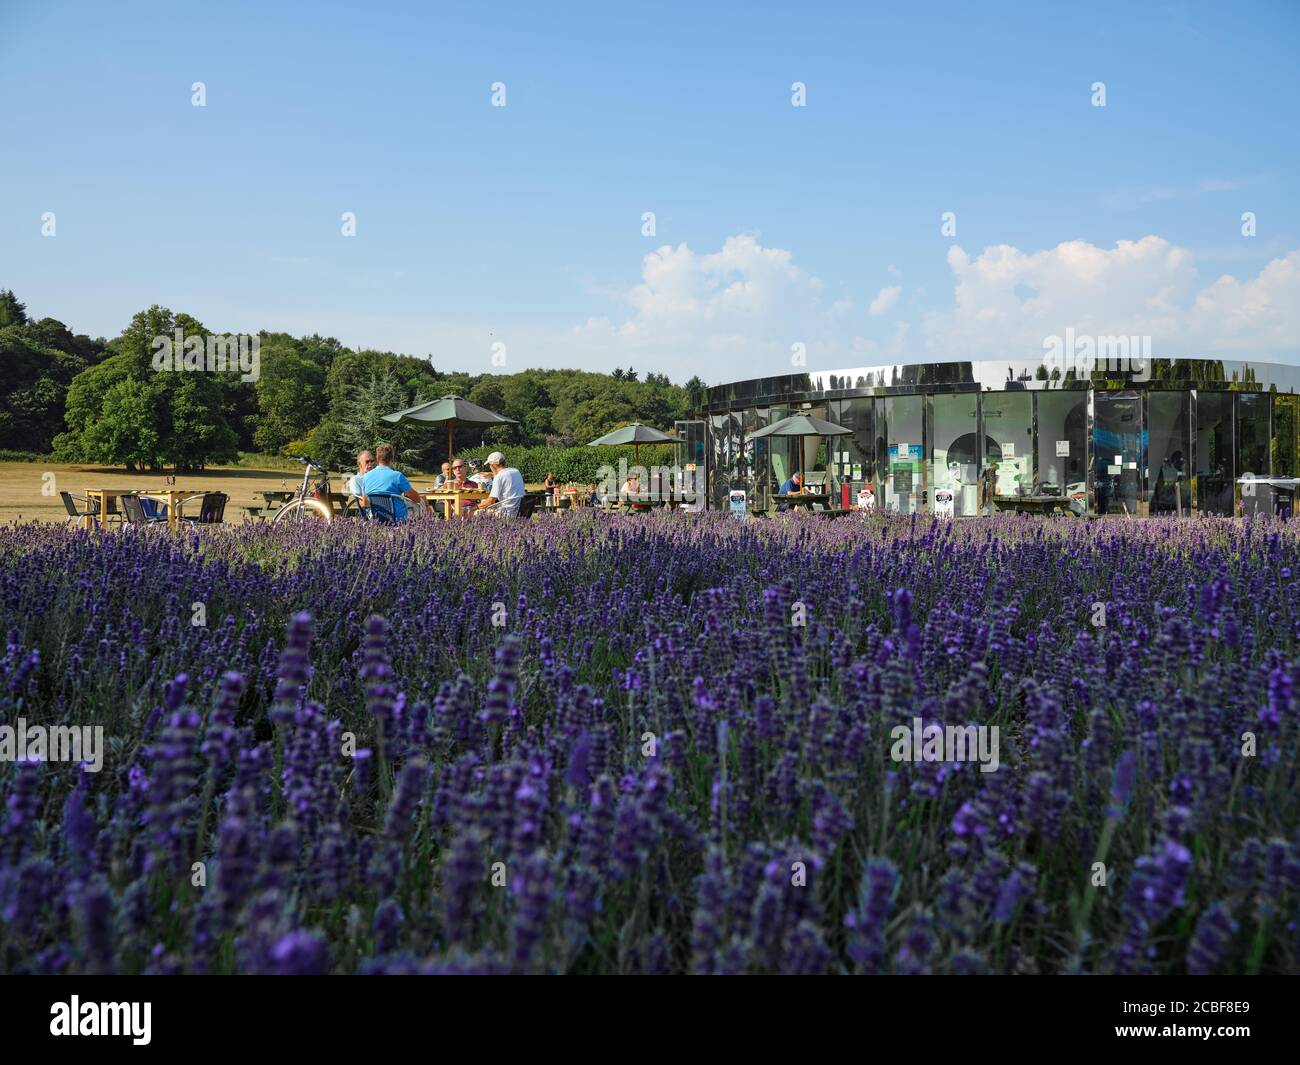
{"points": [[312, 503]]}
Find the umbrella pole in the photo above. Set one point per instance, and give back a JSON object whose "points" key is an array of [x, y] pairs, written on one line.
{"points": [[449, 452], [803, 479]]}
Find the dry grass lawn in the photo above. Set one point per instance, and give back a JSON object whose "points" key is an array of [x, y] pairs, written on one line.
{"points": [[23, 487]]}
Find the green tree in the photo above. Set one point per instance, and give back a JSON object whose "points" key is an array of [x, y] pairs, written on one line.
{"points": [[123, 430], [290, 397], [11, 311]]}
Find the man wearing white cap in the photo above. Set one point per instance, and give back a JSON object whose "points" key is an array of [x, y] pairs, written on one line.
{"points": [[507, 489]]}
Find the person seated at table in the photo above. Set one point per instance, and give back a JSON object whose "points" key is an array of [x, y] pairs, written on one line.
{"points": [[630, 494], [792, 487], [365, 461], [459, 481], [384, 480], [507, 490], [441, 480]]}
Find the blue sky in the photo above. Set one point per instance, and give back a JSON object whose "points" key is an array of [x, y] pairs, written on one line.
{"points": [[775, 225]]}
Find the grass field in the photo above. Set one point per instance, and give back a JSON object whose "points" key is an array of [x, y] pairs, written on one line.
{"points": [[24, 486]]}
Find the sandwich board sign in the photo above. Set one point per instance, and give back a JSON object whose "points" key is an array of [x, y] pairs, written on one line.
{"points": [[737, 502]]}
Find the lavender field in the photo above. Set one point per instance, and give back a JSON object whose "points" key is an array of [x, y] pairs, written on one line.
{"points": [[600, 744]]}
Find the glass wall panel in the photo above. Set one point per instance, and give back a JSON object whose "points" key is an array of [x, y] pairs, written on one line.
{"points": [[856, 454], [1009, 443], [1169, 447], [1286, 435], [1252, 434], [719, 460], [905, 445], [1214, 452], [761, 463], [954, 452], [1063, 444], [1253, 450], [1117, 452]]}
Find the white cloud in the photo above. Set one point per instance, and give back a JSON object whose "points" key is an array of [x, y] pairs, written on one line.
{"points": [[885, 300], [726, 314], [1148, 287], [734, 313]]}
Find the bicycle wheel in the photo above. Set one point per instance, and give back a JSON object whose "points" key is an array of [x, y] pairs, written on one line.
{"points": [[304, 511]]}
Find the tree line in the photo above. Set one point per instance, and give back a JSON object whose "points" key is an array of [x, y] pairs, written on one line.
{"points": [[103, 401]]}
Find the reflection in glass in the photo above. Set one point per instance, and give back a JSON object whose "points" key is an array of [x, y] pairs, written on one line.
{"points": [[1117, 452], [1253, 450], [954, 457], [1009, 423], [1062, 444], [1286, 435], [860, 465], [1252, 433], [1169, 446], [1214, 452], [904, 435], [720, 459]]}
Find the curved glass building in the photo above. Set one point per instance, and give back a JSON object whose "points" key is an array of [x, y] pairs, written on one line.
{"points": [[1139, 437]]}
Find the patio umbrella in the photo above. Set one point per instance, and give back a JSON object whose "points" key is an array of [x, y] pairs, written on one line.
{"points": [[635, 434], [800, 425], [451, 410]]}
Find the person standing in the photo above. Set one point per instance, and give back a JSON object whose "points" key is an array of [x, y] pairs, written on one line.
{"points": [[507, 490]]}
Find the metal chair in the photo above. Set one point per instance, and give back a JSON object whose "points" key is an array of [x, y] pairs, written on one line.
{"points": [[70, 504], [133, 508], [381, 508], [212, 510]]}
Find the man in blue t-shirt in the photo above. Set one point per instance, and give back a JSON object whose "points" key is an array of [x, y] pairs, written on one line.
{"points": [[792, 487], [384, 480]]}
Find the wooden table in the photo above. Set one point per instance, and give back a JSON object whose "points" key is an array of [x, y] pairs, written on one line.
{"points": [[105, 496], [455, 498]]}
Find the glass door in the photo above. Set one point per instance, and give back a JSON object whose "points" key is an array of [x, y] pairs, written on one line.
{"points": [[1118, 452]]}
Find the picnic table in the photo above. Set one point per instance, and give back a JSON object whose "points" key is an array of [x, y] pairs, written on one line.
{"points": [[1033, 504], [803, 499], [277, 498], [453, 499]]}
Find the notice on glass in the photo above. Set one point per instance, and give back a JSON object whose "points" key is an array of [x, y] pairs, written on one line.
{"points": [[1063, 449], [902, 480], [1114, 471], [1008, 451]]}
